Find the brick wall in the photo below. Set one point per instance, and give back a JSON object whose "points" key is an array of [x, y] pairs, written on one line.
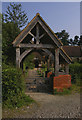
{"points": [[61, 81]]}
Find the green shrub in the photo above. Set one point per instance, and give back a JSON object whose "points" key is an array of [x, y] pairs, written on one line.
{"points": [[13, 88], [75, 88], [28, 62], [64, 92], [76, 73]]}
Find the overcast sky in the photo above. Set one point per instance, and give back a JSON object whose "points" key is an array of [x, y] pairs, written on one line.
{"points": [[58, 15]]}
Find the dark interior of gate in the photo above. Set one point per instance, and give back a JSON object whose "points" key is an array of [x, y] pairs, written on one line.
{"points": [[38, 38]]}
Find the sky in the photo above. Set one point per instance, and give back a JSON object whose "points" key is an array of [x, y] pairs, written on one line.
{"points": [[58, 15], [81, 18]]}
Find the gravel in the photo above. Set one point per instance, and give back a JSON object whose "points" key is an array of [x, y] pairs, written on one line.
{"points": [[54, 106], [48, 106]]}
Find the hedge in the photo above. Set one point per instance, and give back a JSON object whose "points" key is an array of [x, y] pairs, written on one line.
{"points": [[13, 88], [76, 73]]}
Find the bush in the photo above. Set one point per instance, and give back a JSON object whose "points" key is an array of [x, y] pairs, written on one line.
{"points": [[13, 88], [64, 92], [76, 73], [28, 62]]}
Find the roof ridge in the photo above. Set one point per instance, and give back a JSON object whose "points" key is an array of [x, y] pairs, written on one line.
{"points": [[38, 14], [66, 54], [26, 27], [49, 28]]}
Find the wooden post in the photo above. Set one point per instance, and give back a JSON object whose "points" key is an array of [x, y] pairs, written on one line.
{"points": [[57, 62], [48, 64], [37, 34], [67, 68], [18, 57]]}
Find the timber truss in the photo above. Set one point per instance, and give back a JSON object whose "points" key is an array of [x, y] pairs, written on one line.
{"points": [[37, 35]]}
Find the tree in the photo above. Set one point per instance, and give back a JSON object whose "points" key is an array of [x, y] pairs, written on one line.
{"points": [[63, 36], [0, 23], [16, 15], [0, 37], [76, 40], [71, 42], [12, 21], [10, 31], [80, 40]]}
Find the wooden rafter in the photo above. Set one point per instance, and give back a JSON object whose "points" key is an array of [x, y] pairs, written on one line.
{"points": [[42, 36], [35, 22], [30, 26], [39, 46], [32, 35], [37, 34]]}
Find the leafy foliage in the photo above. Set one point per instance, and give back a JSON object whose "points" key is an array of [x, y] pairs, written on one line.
{"points": [[80, 40], [76, 39], [13, 88], [76, 73], [10, 31], [63, 36], [0, 23], [12, 20], [64, 92], [28, 62], [15, 14]]}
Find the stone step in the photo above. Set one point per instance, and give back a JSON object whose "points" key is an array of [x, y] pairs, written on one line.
{"points": [[30, 80], [35, 83], [34, 77]]}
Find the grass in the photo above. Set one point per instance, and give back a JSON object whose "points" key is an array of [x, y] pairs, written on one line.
{"points": [[17, 103], [21, 111], [73, 89], [65, 92]]}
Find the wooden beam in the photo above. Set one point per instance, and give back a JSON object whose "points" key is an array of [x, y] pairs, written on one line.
{"points": [[44, 46], [48, 63], [25, 32], [35, 37], [25, 53], [49, 33], [32, 35], [42, 36], [37, 34], [67, 69], [64, 56], [18, 57], [56, 62]]}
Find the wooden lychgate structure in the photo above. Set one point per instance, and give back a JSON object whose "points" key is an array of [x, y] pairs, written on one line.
{"points": [[38, 36]]}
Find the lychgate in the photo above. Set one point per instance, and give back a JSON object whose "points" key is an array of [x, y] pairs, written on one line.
{"points": [[38, 36]]}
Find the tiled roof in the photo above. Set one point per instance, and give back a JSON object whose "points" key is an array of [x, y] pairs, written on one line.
{"points": [[73, 51]]}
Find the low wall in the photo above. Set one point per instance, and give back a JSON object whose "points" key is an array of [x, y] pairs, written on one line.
{"points": [[62, 81]]}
